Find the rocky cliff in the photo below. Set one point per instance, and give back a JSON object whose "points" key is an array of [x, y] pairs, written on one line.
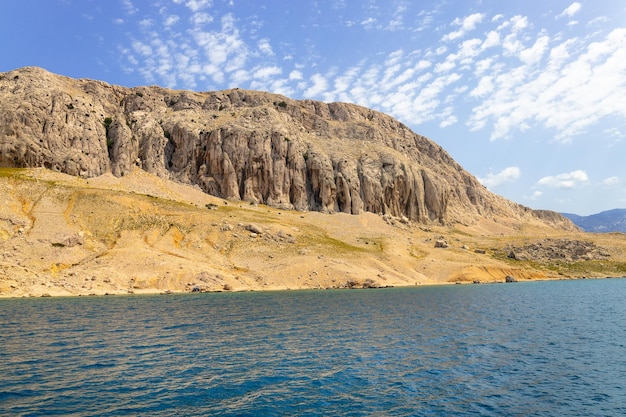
{"points": [[242, 145]]}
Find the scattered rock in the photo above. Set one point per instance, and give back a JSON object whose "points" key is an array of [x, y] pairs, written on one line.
{"points": [[568, 250], [509, 278], [253, 229], [370, 283], [69, 241], [353, 284], [442, 243]]}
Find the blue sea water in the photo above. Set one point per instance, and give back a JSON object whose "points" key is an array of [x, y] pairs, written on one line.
{"points": [[524, 349]]}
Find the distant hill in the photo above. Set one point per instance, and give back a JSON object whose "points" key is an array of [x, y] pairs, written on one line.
{"points": [[606, 221]]}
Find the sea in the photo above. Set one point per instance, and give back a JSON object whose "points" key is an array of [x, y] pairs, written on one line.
{"points": [[553, 348]]}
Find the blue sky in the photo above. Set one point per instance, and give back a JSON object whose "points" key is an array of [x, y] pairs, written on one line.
{"points": [[529, 96]]}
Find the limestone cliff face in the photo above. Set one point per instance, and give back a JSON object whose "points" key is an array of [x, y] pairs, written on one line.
{"points": [[242, 145]]}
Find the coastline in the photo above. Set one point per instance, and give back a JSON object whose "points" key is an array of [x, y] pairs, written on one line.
{"points": [[156, 291]]}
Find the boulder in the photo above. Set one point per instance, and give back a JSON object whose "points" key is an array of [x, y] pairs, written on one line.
{"points": [[442, 243]]}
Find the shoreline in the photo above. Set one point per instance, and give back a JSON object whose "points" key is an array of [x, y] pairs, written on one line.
{"points": [[153, 292]]}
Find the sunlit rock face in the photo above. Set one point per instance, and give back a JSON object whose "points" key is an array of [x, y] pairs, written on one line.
{"points": [[241, 145]]}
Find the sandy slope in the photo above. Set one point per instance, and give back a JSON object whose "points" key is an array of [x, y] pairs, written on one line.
{"points": [[63, 235]]}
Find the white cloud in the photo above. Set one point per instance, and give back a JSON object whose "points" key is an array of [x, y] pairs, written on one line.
{"points": [[507, 175], [533, 55], [448, 121], [571, 10], [129, 7], [446, 65], [492, 39], [468, 50], [200, 18], [195, 56], [195, 5], [467, 24], [171, 20], [515, 76], [600, 20], [519, 23], [319, 84], [566, 180], [265, 47], [142, 48], [483, 66], [368, 23], [295, 75], [267, 72], [224, 47], [569, 94], [423, 64], [397, 22], [484, 87], [611, 181], [239, 77]]}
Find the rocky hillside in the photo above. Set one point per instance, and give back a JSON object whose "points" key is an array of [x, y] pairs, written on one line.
{"points": [[66, 235], [243, 145]]}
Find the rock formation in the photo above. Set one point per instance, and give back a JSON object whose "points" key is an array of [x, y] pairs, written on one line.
{"points": [[567, 250], [242, 145]]}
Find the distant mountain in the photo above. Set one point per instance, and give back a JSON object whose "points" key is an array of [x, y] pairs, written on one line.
{"points": [[606, 221]]}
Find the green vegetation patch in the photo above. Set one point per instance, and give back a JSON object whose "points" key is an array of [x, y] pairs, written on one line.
{"points": [[19, 173], [604, 267], [332, 245]]}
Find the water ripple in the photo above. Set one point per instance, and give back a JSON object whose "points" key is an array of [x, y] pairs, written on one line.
{"points": [[550, 349]]}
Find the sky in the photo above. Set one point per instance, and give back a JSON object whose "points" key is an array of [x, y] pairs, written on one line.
{"points": [[527, 95]]}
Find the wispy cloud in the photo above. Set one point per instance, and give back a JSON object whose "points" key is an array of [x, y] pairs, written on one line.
{"points": [[171, 20], [465, 25], [499, 73], [369, 23], [129, 7], [196, 5], [611, 181], [397, 21], [318, 85], [577, 86]]}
